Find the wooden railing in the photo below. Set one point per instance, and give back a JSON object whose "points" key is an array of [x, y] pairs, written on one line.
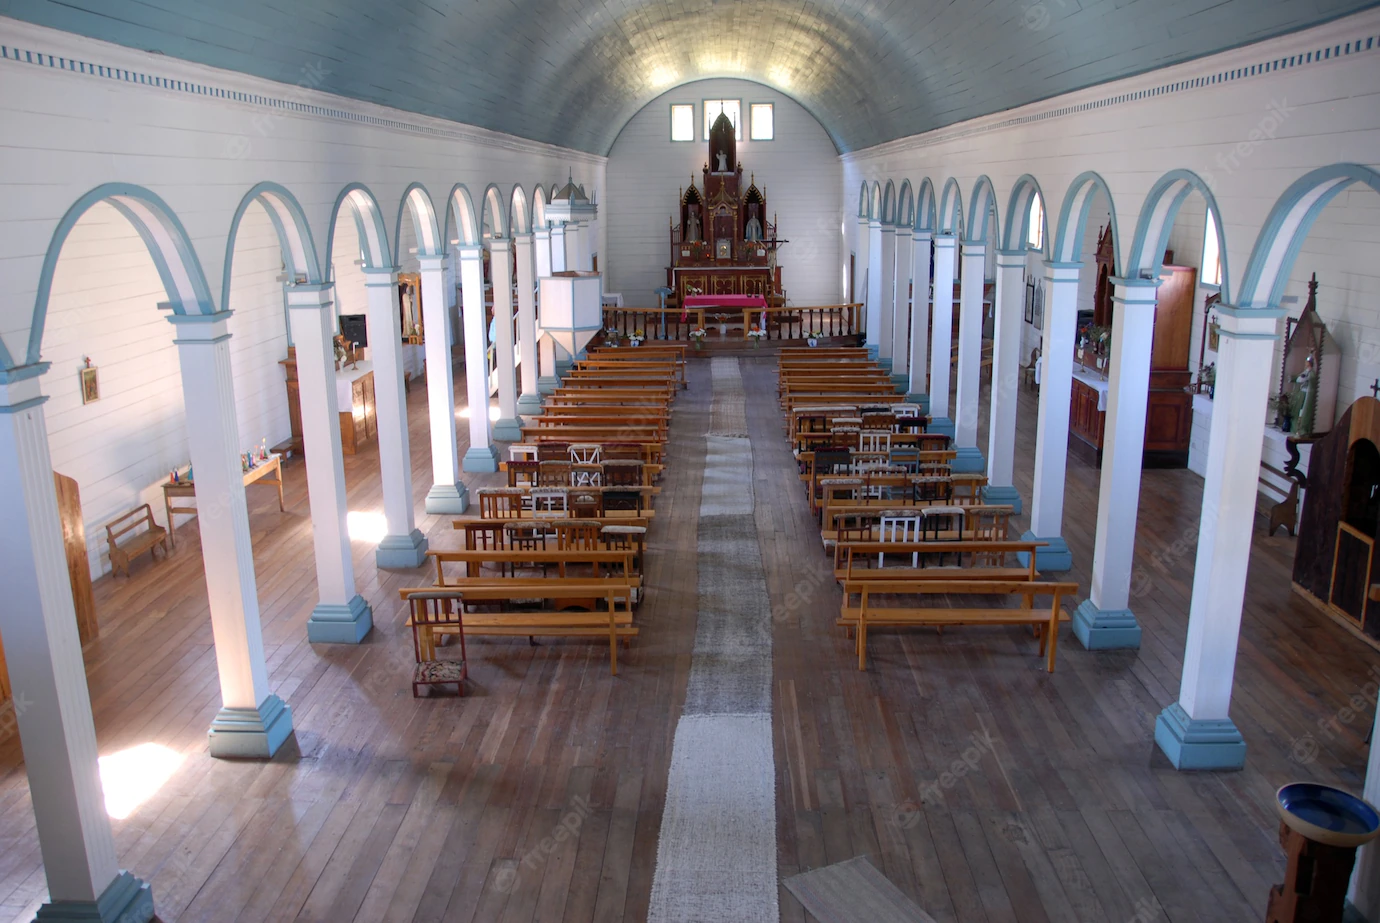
{"points": [[787, 323]]}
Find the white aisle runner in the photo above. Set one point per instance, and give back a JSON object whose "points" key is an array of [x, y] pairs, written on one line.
{"points": [[716, 859]]}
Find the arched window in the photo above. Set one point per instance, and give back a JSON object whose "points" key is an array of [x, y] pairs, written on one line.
{"points": [[1035, 233], [1212, 254]]}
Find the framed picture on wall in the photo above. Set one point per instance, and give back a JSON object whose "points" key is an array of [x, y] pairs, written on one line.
{"points": [[1039, 309], [90, 384], [1030, 301]]}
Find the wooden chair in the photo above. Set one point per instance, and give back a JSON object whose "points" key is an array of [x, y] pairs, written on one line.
{"points": [[127, 524], [1028, 373], [932, 442], [906, 411], [550, 502], [587, 503], [523, 473], [905, 457], [585, 453], [622, 451], [522, 451], [436, 612], [939, 523], [931, 489], [622, 472], [554, 474], [525, 535], [500, 502], [553, 451], [876, 421], [623, 501], [900, 526], [874, 440], [577, 534]]}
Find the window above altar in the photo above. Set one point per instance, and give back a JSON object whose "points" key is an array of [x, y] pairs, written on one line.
{"points": [[733, 108], [682, 122], [763, 122]]}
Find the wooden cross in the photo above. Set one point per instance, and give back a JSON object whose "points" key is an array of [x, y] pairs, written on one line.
{"points": [[1375, 388]]}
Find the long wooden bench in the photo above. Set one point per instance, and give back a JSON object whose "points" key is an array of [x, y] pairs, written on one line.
{"points": [[870, 615], [857, 560], [613, 620], [514, 558], [127, 543]]}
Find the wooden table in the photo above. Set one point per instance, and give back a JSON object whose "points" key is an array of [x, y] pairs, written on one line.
{"points": [[260, 472]]}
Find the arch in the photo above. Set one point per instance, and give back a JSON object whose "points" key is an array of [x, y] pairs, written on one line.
{"points": [[460, 216], [864, 202], [518, 213], [1272, 257], [493, 212], [888, 212], [905, 205], [539, 207], [1156, 221], [169, 246], [418, 201], [874, 202], [982, 208], [1073, 220], [1018, 214], [368, 218], [950, 209], [924, 206], [290, 223]]}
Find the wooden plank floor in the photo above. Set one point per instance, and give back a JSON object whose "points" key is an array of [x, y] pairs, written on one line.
{"points": [[986, 789]]}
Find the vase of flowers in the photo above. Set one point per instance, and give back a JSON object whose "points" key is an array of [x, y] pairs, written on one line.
{"points": [[756, 334], [697, 337], [637, 337], [813, 339]]}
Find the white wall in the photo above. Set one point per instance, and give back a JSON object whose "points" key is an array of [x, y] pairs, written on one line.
{"points": [[799, 172]]}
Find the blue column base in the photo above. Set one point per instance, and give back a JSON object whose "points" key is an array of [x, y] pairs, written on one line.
{"points": [[529, 404], [547, 384], [1106, 629], [873, 350], [1192, 744], [1054, 557], [480, 458], [900, 381], [563, 366], [335, 624], [968, 459], [447, 498], [508, 430], [250, 733], [126, 900], [884, 362], [921, 400], [942, 425], [1003, 496], [401, 552]]}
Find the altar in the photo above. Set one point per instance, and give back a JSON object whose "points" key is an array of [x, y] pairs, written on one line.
{"points": [[721, 243]]}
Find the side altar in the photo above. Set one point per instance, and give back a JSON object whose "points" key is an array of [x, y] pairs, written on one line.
{"points": [[723, 243]]}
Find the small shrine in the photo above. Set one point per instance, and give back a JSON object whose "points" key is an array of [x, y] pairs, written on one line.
{"points": [[1306, 402], [721, 242]]}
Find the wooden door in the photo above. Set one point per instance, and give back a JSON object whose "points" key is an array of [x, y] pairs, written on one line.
{"points": [[78, 567], [1351, 572]]}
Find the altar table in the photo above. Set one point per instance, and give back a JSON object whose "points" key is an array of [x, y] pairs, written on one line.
{"points": [[260, 472], [746, 303]]}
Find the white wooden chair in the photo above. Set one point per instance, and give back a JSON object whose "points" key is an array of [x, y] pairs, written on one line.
{"points": [[874, 440], [550, 502], [899, 526], [585, 453]]}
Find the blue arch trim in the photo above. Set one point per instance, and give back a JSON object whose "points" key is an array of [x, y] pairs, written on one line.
{"points": [[905, 205], [519, 194], [982, 208], [183, 253], [466, 240], [1018, 214], [493, 204], [303, 230], [376, 261], [864, 201], [1072, 227], [1340, 176], [888, 215], [950, 208], [924, 206], [418, 224], [1147, 256]]}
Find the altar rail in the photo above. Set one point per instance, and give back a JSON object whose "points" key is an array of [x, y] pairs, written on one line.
{"points": [[786, 323]]}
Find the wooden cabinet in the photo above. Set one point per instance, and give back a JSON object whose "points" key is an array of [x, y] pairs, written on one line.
{"points": [[359, 424], [294, 401], [1086, 422]]}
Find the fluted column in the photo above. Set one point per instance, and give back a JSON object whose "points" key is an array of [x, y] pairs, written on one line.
{"points": [[918, 392], [967, 402], [52, 705], [404, 546], [530, 400], [1052, 427], [941, 339], [1105, 620], [1006, 369], [874, 288], [886, 305], [900, 312], [447, 493], [509, 427], [1197, 732], [481, 455]]}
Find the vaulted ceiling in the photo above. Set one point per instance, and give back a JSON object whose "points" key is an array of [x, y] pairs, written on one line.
{"points": [[572, 72]]}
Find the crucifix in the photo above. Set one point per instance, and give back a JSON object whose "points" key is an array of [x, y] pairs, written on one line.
{"points": [[1375, 389]]}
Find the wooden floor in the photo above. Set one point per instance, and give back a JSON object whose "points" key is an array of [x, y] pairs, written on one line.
{"points": [[390, 808]]}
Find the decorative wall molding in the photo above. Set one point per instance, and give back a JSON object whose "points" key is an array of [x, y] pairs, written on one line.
{"points": [[1322, 45], [37, 46]]}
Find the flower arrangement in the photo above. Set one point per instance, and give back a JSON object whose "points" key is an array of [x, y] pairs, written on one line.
{"points": [[697, 337], [637, 337], [756, 334], [814, 337]]}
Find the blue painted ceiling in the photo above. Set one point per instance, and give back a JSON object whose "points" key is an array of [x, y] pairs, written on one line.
{"points": [[573, 72]]}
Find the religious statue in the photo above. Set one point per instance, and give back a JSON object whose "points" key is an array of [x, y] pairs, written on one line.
{"points": [[692, 226], [753, 231], [1304, 423], [722, 161]]}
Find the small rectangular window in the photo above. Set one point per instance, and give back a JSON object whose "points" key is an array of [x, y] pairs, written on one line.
{"points": [[1035, 234], [763, 122], [682, 122], [733, 108], [1212, 254]]}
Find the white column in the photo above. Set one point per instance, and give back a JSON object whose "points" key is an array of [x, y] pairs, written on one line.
{"points": [[530, 401], [584, 251], [967, 403], [886, 306], [1104, 620], [1196, 732], [1365, 882], [342, 615], [1052, 428], [559, 248], [480, 456], [1006, 369], [47, 676], [900, 325], [941, 340], [447, 493], [404, 546], [541, 246], [252, 722], [919, 392], [508, 428], [874, 288]]}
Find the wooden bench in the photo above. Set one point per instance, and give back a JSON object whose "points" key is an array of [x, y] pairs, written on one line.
{"points": [[153, 536], [857, 562], [618, 563], [1047, 620], [613, 621]]}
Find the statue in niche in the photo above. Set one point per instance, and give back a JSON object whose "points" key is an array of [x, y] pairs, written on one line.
{"points": [[692, 226], [722, 161], [753, 231]]}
